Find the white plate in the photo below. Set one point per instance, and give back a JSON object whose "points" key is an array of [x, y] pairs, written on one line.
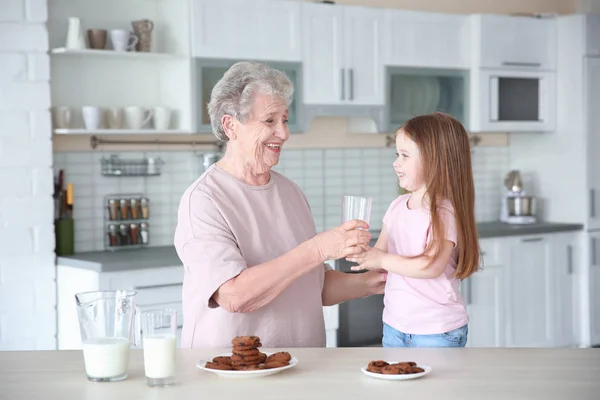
{"points": [[257, 373], [403, 377]]}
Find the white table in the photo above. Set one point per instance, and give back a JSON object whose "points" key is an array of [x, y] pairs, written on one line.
{"points": [[571, 374]]}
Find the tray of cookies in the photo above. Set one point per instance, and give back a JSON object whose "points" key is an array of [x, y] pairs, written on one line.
{"points": [[395, 370], [247, 361]]}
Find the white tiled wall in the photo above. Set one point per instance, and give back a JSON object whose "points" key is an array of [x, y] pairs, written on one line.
{"points": [[27, 286], [324, 176]]}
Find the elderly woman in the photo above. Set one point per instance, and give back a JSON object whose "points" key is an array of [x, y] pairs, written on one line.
{"points": [[253, 262]]}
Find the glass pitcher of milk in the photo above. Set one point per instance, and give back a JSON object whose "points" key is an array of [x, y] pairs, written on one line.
{"points": [[107, 325]]}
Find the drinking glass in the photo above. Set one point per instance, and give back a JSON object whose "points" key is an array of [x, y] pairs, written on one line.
{"points": [[159, 338], [356, 207]]}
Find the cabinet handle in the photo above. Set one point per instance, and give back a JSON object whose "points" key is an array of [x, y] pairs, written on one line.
{"points": [[157, 286], [592, 203], [351, 79], [570, 259], [521, 64], [593, 249], [343, 84], [530, 240]]}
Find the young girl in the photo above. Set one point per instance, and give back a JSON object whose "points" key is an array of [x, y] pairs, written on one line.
{"points": [[428, 242]]}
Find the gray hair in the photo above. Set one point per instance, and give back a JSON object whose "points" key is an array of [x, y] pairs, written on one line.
{"points": [[234, 94]]}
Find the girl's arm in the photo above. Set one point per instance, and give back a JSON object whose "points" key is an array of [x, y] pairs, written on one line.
{"points": [[416, 267], [376, 258], [382, 240]]}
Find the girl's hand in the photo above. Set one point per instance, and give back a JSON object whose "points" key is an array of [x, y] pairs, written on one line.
{"points": [[370, 259]]}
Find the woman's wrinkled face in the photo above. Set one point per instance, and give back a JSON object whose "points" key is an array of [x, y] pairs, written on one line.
{"points": [[262, 136]]}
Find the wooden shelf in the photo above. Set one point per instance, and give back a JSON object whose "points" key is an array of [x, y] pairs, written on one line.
{"points": [[117, 131], [61, 51]]}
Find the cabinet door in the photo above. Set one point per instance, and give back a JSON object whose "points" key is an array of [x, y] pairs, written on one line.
{"points": [[423, 39], [592, 99], [484, 296], [516, 42], [565, 313], [595, 288], [530, 307], [260, 30], [363, 31], [324, 79]]}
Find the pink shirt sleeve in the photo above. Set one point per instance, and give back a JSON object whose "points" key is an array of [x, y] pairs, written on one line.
{"points": [[449, 222], [207, 247]]}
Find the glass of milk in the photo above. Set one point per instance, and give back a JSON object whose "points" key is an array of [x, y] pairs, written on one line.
{"points": [[106, 321], [159, 340]]}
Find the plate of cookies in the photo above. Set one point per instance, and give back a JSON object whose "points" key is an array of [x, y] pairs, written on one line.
{"points": [[395, 370], [247, 361]]}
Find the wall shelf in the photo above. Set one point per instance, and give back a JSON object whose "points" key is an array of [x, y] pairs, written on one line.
{"points": [[62, 51], [117, 131]]}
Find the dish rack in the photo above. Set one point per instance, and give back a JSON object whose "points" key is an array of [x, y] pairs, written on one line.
{"points": [[126, 225], [115, 166]]}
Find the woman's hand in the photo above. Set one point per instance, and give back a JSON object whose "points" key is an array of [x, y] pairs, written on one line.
{"points": [[371, 259], [348, 239], [375, 281]]}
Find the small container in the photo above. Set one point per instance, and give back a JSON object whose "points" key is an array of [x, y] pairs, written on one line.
{"points": [[113, 237], [144, 234], [134, 207], [64, 230], [134, 233], [113, 209], [145, 206], [124, 239], [124, 208]]}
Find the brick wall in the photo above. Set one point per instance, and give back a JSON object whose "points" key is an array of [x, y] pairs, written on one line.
{"points": [[27, 273]]}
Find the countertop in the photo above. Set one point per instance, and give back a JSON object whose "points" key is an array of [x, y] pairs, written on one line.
{"points": [[334, 373], [166, 256], [123, 260]]}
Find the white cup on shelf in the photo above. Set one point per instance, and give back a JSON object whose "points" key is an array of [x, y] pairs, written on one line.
{"points": [[92, 117], [123, 40], [137, 117], [162, 118]]}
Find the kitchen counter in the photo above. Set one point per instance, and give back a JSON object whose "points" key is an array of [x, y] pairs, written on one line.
{"points": [[498, 229], [124, 260], [166, 256], [323, 374]]}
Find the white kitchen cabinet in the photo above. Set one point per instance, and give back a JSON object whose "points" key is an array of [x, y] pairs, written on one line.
{"points": [[484, 296], [592, 99], [502, 41], [342, 55], [529, 297], [594, 288], [240, 29], [565, 316], [425, 39]]}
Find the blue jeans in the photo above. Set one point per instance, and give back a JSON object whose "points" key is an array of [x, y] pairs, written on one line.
{"points": [[453, 338]]}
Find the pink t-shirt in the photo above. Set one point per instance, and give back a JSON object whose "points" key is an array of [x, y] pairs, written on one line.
{"points": [[225, 226], [421, 306]]}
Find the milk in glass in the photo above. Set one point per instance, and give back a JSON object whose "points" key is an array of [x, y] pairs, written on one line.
{"points": [[159, 356]]}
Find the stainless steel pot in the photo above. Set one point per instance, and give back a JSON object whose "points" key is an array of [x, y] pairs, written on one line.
{"points": [[521, 206]]}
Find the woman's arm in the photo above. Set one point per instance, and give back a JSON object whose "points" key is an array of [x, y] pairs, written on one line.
{"points": [[255, 287], [340, 287]]}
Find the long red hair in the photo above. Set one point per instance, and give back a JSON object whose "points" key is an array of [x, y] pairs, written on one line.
{"points": [[446, 158]]}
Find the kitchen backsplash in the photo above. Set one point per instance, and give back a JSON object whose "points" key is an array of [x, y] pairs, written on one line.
{"points": [[325, 175]]}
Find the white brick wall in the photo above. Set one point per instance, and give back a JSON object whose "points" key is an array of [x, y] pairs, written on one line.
{"points": [[27, 271]]}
